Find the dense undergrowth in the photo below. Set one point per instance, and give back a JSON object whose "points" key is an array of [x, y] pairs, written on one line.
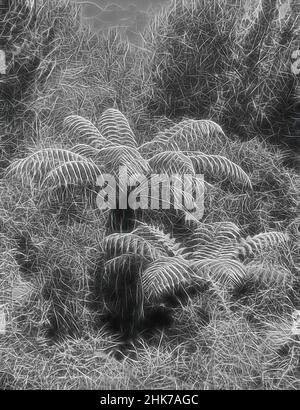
{"points": [[52, 258], [229, 61]]}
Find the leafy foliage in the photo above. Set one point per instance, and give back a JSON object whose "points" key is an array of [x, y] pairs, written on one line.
{"points": [[165, 275], [262, 242], [142, 264], [115, 128], [187, 135], [226, 272], [85, 131], [37, 165], [72, 172]]}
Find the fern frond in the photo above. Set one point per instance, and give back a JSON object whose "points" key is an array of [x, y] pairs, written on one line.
{"points": [[86, 150], [214, 250], [149, 148], [218, 166], [261, 242], [124, 243], [270, 275], [228, 273], [188, 135], [214, 240], [85, 130], [115, 156], [115, 128], [202, 235], [225, 231], [159, 239], [165, 276], [72, 173], [171, 162], [37, 165]]}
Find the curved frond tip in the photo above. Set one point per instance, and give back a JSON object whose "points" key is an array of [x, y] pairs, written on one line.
{"points": [[85, 131], [261, 242], [115, 128], [187, 135], [219, 166]]}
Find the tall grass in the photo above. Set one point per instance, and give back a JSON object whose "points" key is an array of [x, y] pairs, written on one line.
{"points": [[229, 61]]}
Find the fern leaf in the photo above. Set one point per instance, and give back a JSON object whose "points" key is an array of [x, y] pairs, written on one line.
{"points": [[171, 162], [214, 240], [270, 275], [228, 273], [261, 242], [86, 150], [158, 238], [85, 130], [165, 276], [115, 128], [188, 135], [72, 173], [116, 156], [214, 250], [218, 166], [37, 165], [122, 243]]}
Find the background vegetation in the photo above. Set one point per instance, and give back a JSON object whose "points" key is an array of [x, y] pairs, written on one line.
{"points": [[228, 61]]}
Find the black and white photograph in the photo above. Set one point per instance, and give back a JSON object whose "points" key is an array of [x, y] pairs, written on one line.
{"points": [[149, 198]]}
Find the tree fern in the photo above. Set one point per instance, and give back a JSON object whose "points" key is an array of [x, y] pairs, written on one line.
{"points": [[145, 264]]}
